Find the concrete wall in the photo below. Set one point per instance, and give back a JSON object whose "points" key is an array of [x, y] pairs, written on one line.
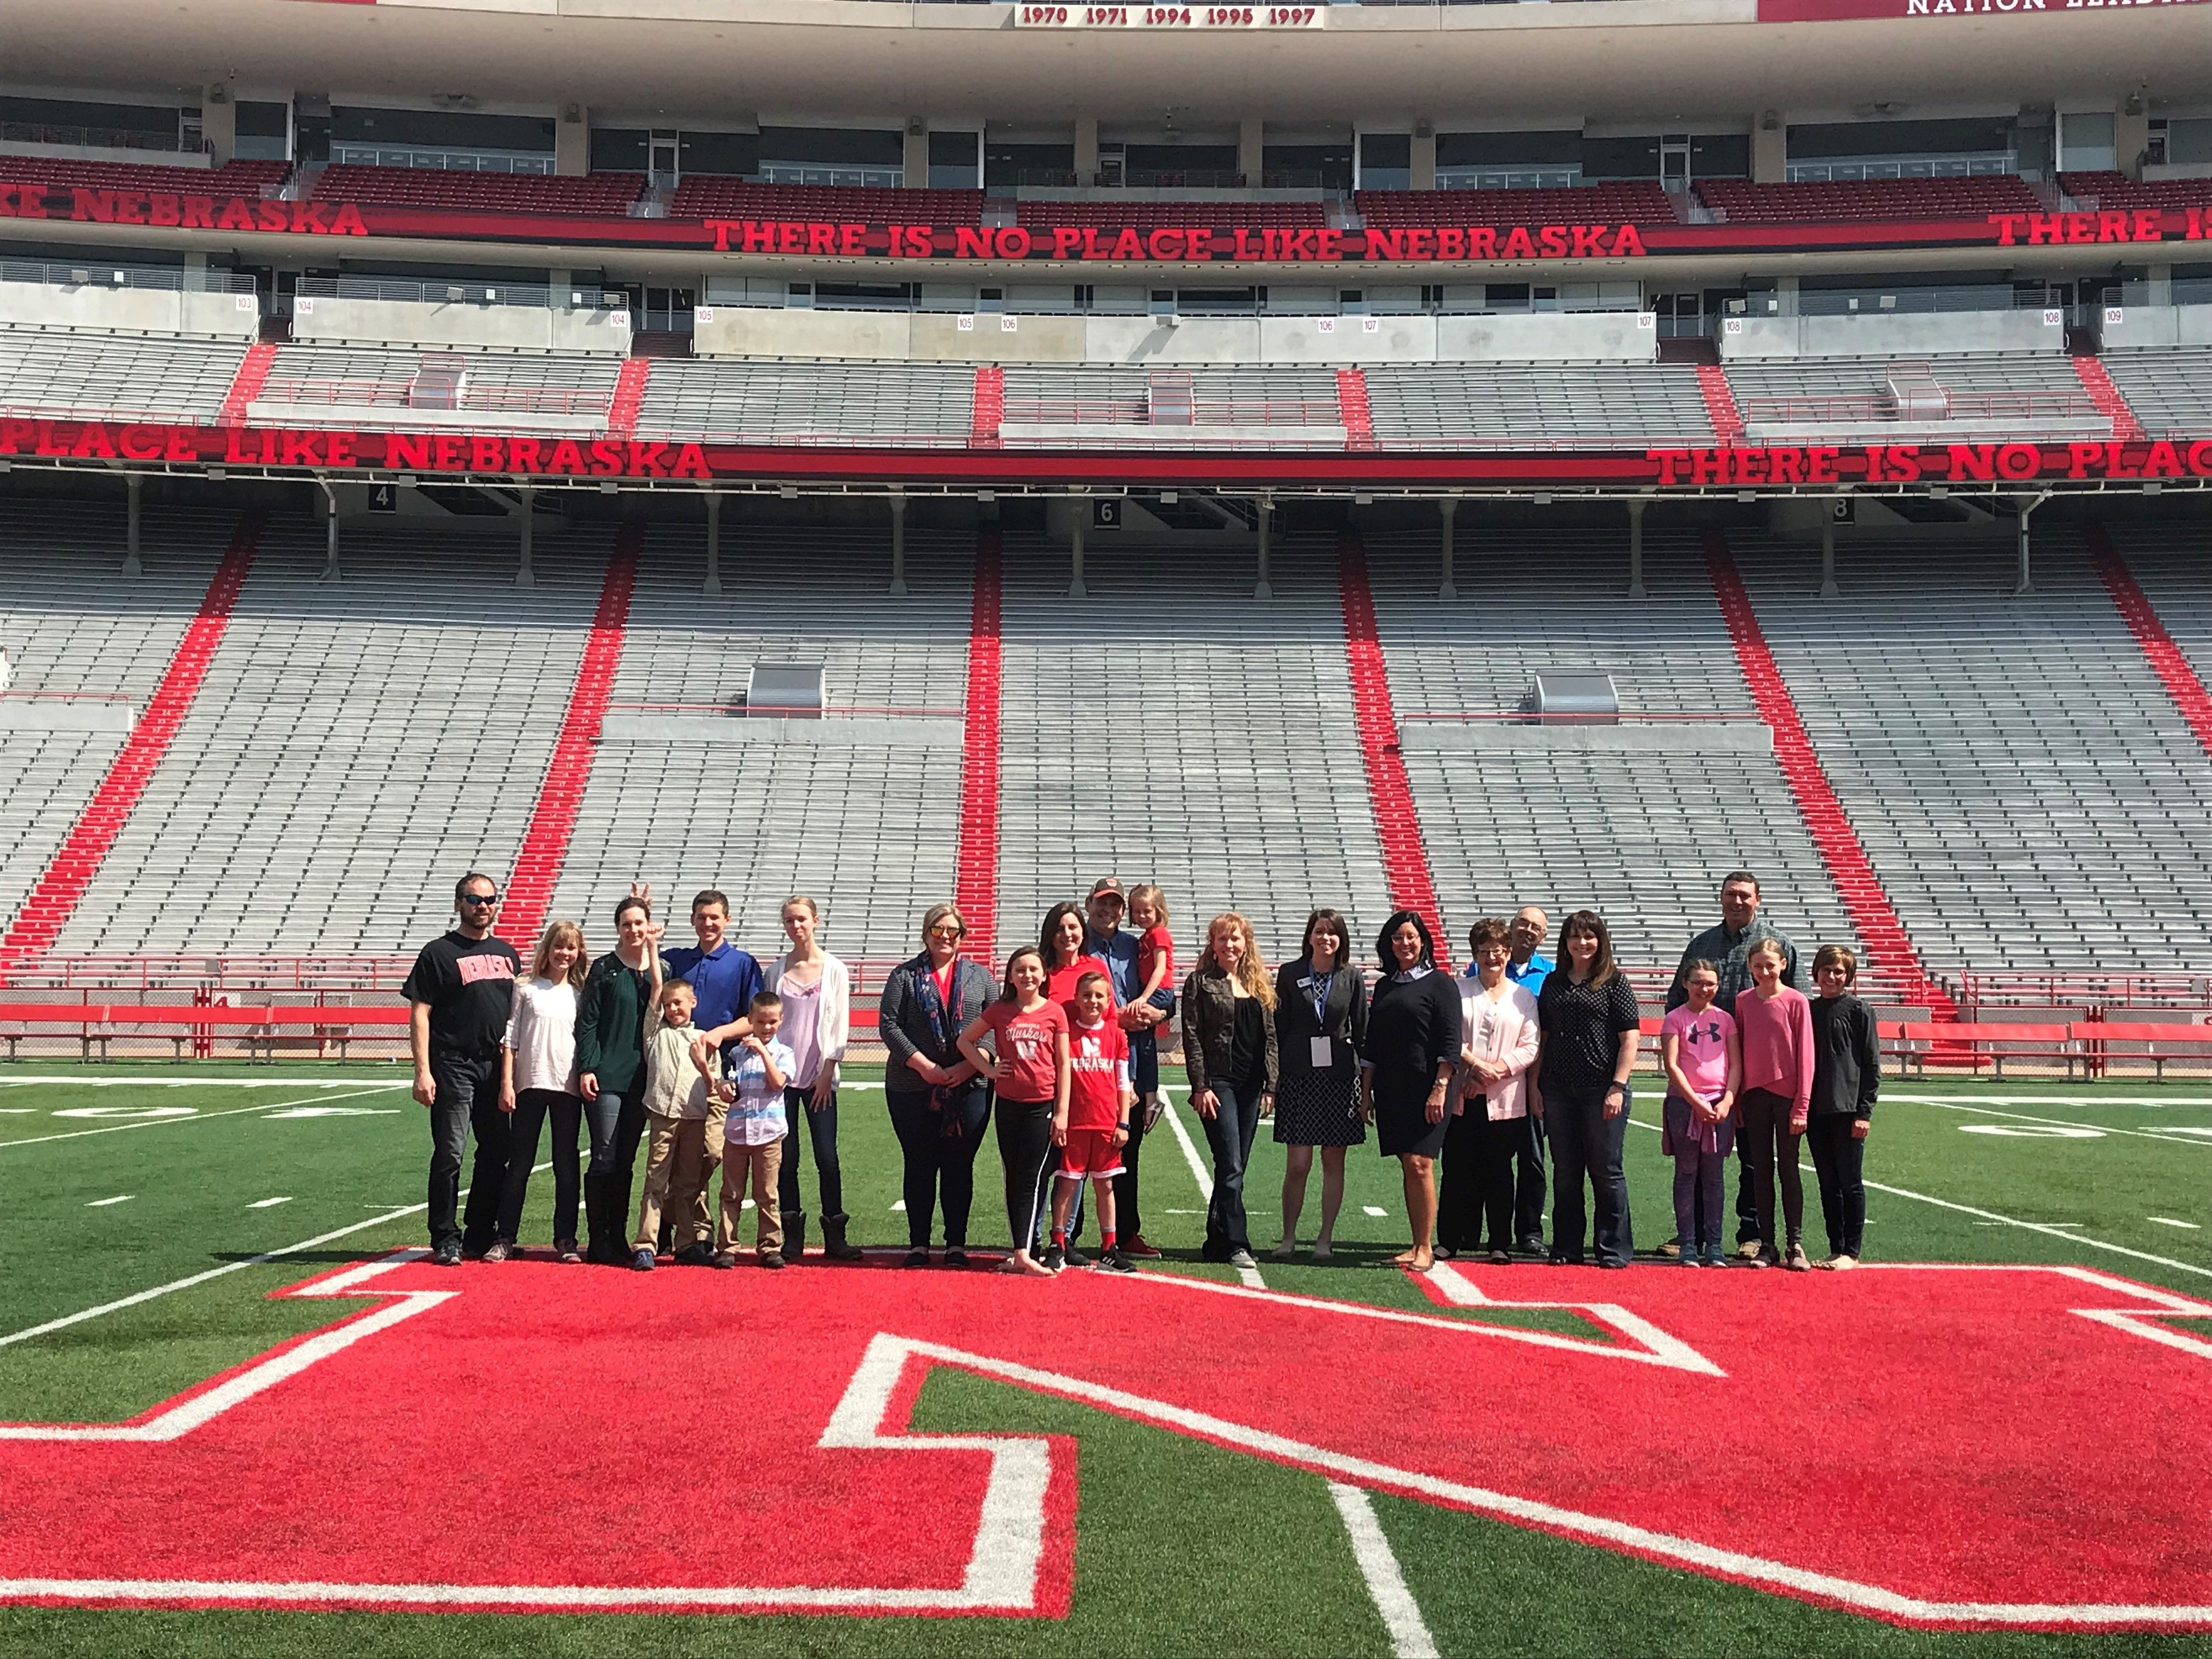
{"points": [[1893, 334], [936, 337], [130, 310], [321, 317], [2160, 325]]}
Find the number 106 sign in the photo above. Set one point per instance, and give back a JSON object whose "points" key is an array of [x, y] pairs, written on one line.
{"points": [[1170, 17]]}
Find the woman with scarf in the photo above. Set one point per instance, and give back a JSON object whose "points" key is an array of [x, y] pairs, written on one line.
{"points": [[938, 1106]]}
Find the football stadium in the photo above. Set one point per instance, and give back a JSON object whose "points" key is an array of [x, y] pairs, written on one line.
{"points": [[929, 827]]}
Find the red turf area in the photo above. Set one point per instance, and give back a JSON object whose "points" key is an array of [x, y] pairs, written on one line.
{"points": [[1932, 1445]]}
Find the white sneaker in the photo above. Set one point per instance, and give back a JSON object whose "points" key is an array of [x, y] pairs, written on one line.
{"points": [[1242, 1259]]}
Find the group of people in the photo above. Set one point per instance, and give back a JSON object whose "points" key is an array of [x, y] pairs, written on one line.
{"points": [[715, 1060]]}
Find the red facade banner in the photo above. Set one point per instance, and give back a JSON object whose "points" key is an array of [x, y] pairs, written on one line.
{"points": [[1196, 243], [1822, 11], [309, 450]]}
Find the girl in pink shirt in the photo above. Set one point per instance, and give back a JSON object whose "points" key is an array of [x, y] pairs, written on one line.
{"points": [[1776, 1025], [1698, 1044]]}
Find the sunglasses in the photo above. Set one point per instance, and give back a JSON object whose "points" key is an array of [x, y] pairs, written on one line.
{"points": [[947, 933], [480, 898]]}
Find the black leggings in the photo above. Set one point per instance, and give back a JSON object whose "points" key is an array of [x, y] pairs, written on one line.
{"points": [[1025, 1147], [822, 1130], [1476, 1185], [1772, 1150], [532, 1107], [939, 1141]]}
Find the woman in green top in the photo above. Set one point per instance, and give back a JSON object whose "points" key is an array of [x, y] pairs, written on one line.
{"points": [[611, 1063]]}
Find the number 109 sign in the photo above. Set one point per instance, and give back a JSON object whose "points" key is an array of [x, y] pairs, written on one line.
{"points": [[1170, 17]]}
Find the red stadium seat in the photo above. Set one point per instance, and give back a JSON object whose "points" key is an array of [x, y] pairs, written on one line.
{"points": [[1744, 203], [1640, 201], [2116, 191], [719, 197], [610, 193], [232, 179]]}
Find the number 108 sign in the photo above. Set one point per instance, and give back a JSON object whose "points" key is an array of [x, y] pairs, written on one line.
{"points": [[1170, 17]]}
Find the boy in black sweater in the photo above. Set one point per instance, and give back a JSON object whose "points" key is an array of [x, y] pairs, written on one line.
{"points": [[1846, 1076]]}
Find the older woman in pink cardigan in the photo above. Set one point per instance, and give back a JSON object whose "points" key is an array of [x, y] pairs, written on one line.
{"points": [[1497, 1045]]}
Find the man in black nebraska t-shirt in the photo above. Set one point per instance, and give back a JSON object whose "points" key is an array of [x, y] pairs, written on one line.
{"points": [[459, 998]]}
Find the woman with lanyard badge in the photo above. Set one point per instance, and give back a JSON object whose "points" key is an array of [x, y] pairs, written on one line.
{"points": [[1321, 1022]]}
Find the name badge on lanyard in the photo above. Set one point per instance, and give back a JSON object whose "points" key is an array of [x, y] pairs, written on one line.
{"points": [[1321, 1051]]}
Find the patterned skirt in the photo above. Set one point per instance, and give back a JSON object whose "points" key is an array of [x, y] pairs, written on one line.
{"points": [[1318, 1108]]}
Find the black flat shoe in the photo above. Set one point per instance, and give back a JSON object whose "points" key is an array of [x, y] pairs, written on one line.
{"points": [[955, 1257], [917, 1258]]}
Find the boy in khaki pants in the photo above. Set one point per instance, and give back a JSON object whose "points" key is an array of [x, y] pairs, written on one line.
{"points": [[684, 1119], [753, 1132]]}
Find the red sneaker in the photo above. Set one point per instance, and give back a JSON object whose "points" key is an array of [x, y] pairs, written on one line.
{"points": [[1134, 1245]]}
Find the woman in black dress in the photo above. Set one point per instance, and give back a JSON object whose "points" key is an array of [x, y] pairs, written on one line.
{"points": [[1406, 1069], [1321, 1020]]}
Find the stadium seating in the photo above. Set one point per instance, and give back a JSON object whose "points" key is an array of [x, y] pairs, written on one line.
{"points": [[2117, 190], [2027, 793], [1180, 398], [869, 829], [1246, 788], [232, 179], [1643, 202], [1642, 835], [48, 371], [1741, 202], [1435, 405], [782, 402], [1142, 213], [1999, 391], [352, 747], [70, 626], [2168, 387], [493, 192], [715, 196], [521, 391]]}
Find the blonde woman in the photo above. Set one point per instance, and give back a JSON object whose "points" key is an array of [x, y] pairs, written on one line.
{"points": [[538, 1079], [1228, 1057], [817, 1021]]}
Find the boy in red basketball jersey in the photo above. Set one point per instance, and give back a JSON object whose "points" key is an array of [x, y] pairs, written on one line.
{"points": [[1093, 1126]]}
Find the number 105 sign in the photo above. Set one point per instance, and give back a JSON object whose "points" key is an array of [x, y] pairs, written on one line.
{"points": [[1170, 17]]}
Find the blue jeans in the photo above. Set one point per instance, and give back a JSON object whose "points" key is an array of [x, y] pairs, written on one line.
{"points": [[467, 1100], [1701, 1180], [1586, 1142], [532, 1107], [1230, 1132], [822, 1130]]}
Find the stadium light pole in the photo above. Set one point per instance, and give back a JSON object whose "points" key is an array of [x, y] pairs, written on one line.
{"points": [[898, 543], [1448, 509], [713, 541], [1636, 589], [133, 487]]}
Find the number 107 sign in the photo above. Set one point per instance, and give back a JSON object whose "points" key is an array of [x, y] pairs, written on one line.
{"points": [[1170, 17]]}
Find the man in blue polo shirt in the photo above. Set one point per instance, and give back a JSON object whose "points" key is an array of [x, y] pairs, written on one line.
{"points": [[1528, 968], [725, 979]]}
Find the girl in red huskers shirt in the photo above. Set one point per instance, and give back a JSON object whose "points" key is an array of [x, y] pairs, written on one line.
{"points": [[1092, 1126], [1775, 1025], [1027, 1063]]}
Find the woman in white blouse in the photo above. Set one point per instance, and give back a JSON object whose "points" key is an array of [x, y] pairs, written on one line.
{"points": [[817, 1021], [538, 1080], [1499, 1039]]}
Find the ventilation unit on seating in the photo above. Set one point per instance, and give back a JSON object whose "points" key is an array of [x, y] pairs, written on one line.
{"points": [[439, 382], [786, 690], [1168, 399], [1915, 393], [1575, 699]]}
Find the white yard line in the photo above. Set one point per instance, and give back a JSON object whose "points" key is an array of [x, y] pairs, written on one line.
{"points": [[2053, 1100], [267, 1203], [1199, 1173], [2067, 1122], [1378, 1565], [2169, 1221], [102, 1203], [227, 1268], [2050, 1229], [13, 1081], [197, 1117]]}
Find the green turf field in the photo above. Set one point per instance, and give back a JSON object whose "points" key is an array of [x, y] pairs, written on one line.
{"points": [[165, 1185]]}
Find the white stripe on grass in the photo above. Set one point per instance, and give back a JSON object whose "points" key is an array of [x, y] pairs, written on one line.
{"points": [[102, 1203], [1378, 1565], [197, 1117], [73, 1081], [227, 1268], [2064, 1230], [2176, 1133], [1200, 1173]]}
